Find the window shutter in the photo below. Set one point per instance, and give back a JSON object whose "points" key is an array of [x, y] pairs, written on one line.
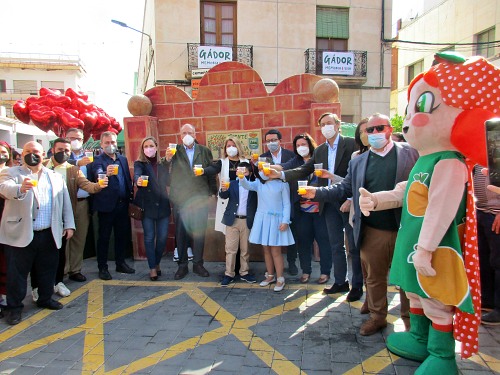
{"points": [[332, 23], [25, 86]]}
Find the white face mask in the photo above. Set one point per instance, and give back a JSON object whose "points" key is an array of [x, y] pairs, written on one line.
{"points": [[150, 152], [188, 140], [328, 131], [76, 145], [303, 151], [231, 151]]}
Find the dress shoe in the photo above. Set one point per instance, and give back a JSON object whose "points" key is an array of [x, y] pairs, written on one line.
{"points": [[323, 279], [292, 269], [364, 308], [182, 271], [304, 279], [104, 274], [372, 326], [337, 288], [354, 295], [13, 317], [50, 304], [200, 270], [280, 284], [77, 277], [124, 268]]}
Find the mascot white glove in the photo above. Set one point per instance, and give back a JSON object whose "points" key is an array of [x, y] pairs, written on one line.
{"points": [[422, 262], [367, 201]]}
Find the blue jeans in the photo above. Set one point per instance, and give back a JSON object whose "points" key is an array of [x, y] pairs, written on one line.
{"points": [[489, 260], [310, 227], [155, 228], [335, 224]]}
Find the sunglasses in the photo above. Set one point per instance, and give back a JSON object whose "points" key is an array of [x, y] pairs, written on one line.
{"points": [[379, 128]]}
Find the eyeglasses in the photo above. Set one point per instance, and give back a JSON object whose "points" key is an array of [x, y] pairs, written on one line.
{"points": [[379, 128], [272, 140]]}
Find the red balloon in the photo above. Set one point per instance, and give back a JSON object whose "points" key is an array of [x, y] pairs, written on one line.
{"points": [[31, 100], [82, 105], [44, 120], [58, 100], [74, 94], [89, 119], [73, 112], [45, 91], [69, 121], [21, 111]]}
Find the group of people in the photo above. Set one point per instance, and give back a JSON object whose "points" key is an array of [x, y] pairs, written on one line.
{"points": [[46, 215]]}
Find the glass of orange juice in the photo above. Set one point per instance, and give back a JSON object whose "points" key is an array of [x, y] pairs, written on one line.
{"points": [[145, 180], [115, 169], [173, 148], [101, 177], [317, 169], [266, 167], [261, 162], [198, 169], [90, 155], [240, 172], [255, 156], [34, 179], [302, 187], [225, 183]]}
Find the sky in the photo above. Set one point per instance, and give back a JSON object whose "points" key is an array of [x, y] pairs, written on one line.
{"points": [[110, 53]]}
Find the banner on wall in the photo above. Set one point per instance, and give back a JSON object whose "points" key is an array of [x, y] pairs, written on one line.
{"points": [[251, 141], [341, 63], [209, 56]]}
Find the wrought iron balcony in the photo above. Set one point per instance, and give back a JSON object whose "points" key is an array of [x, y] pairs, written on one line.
{"points": [[241, 53], [314, 65]]}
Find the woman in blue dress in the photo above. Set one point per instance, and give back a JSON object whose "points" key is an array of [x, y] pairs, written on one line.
{"points": [[271, 226]]}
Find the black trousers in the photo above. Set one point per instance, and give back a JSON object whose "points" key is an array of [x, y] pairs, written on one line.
{"points": [[60, 267], [41, 254]]}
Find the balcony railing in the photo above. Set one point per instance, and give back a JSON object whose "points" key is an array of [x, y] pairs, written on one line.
{"points": [[241, 53], [314, 63]]}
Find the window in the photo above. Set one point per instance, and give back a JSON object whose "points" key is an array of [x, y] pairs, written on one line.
{"points": [[486, 50], [53, 85], [332, 28], [3, 85], [414, 70], [218, 23], [25, 87]]}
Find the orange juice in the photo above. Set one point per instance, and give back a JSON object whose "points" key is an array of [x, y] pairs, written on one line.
{"points": [[101, 182], [266, 171], [226, 184], [241, 175], [255, 156], [198, 171], [173, 151], [261, 163], [34, 183], [302, 191], [144, 183], [115, 169], [318, 172]]}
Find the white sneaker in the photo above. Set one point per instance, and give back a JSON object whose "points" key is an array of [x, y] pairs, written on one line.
{"points": [[266, 282], [62, 290], [176, 255], [190, 254], [280, 284], [34, 294]]}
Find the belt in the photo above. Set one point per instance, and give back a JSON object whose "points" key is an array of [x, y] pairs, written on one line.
{"points": [[240, 217], [81, 199], [41, 230]]}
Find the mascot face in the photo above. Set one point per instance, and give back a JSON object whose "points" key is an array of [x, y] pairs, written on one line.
{"points": [[429, 121]]}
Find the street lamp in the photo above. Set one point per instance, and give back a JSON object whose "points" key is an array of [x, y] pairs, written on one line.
{"points": [[151, 50]]}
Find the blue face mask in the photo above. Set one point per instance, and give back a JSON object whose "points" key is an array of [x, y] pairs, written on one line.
{"points": [[377, 140]]}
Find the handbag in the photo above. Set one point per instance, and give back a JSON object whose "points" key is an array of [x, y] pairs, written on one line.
{"points": [[135, 212]]}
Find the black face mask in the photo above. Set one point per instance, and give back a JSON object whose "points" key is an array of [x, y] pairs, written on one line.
{"points": [[3, 159], [61, 157], [32, 160]]}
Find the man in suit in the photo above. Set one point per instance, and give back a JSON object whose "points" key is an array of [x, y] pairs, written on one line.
{"points": [[111, 205], [190, 197], [279, 155], [335, 155], [33, 224], [382, 168], [238, 218]]}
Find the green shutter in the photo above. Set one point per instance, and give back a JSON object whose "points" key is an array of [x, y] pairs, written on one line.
{"points": [[332, 23]]}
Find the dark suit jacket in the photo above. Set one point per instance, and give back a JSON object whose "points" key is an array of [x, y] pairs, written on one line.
{"points": [[349, 187], [107, 199], [233, 193], [154, 197], [345, 149], [285, 155], [183, 183]]}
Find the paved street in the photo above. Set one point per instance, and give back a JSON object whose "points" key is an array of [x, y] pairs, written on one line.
{"points": [[133, 325]]}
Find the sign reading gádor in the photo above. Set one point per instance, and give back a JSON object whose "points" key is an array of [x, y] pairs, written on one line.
{"points": [[341, 63], [209, 56]]}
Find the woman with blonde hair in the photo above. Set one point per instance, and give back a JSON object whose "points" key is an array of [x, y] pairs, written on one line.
{"points": [[152, 197]]}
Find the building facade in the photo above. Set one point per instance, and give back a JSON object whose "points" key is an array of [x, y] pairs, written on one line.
{"points": [[278, 39], [463, 26]]}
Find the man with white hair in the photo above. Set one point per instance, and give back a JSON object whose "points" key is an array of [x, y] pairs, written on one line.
{"points": [[190, 197]]}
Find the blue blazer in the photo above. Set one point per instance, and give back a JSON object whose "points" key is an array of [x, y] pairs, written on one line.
{"points": [[154, 197], [233, 193], [107, 199]]}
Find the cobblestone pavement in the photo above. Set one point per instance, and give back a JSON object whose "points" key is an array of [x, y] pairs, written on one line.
{"points": [[133, 325]]}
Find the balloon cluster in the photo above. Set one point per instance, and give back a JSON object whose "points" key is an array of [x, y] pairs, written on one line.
{"points": [[57, 112]]}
